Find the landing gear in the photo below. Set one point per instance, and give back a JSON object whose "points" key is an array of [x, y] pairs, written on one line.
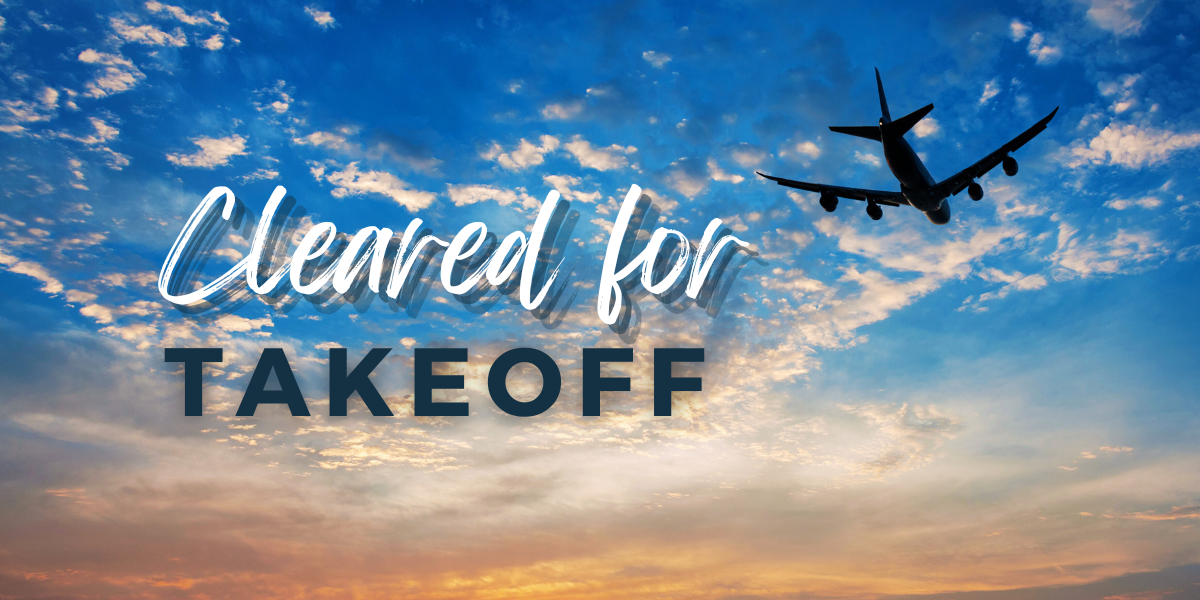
{"points": [[874, 211], [975, 191], [829, 202], [1010, 166]]}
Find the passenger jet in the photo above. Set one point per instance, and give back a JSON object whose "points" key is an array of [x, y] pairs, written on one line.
{"points": [[917, 187]]}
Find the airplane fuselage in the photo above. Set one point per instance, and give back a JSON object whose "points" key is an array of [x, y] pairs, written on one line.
{"points": [[915, 181]]}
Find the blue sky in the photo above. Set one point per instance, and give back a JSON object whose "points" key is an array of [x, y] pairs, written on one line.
{"points": [[890, 408]]}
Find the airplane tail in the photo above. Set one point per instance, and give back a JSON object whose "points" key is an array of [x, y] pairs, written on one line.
{"points": [[893, 128], [871, 132], [901, 126], [883, 107]]}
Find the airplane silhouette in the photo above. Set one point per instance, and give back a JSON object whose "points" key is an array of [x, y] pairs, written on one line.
{"points": [[918, 189]]}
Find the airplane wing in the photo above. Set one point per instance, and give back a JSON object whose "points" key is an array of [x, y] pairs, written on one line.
{"points": [[959, 181], [879, 196]]}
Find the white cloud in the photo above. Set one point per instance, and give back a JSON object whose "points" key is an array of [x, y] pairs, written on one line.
{"points": [[1043, 52], [1130, 146], [1122, 203], [600, 159], [213, 152], [1121, 91], [260, 174], [1018, 30], [719, 174], [906, 438], [462, 195], [526, 154], [352, 182], [147, 34], [214, 43], [748, 156], [1124, 252], [808, 149], [564, 185], [867, 158], [235, 323], [1124, 18], [687, 177], [103, 133], [322, 18], [328, 139], [990, 89], [197, 18], [658, 59], [1016, 282], [926, 127], [50, 284], [119, 74], [44, 108], [562, 111]]}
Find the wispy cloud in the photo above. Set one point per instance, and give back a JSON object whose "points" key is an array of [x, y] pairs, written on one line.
{"points": [[213, 152]]}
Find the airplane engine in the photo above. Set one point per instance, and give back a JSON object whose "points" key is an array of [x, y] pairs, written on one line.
{"points": [[941, 216], [874, 211], [1010, 166], [829, 202], [975, 191]]}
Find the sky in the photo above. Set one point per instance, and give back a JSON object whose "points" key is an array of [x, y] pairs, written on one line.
{"points": [[1001, 408]]}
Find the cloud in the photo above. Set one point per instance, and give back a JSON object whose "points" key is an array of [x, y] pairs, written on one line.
{"points": [[199, 17], [238, 324], [687, 176], [50, 284], [562, 111], [806, 149], [213, 152], [600, 159], [322, 18], [926, 127], [43, 108], [97, 141], [329, 139], [1043, 52], [658, 59], [352, 182], [525, 155], [119, 74], [462, 195], [382, 145], [867, 158], [147, 34], [104, 132], [213, 43], [1176, 513], [1124, 18], [1018, 30], [990, 89], [748, 156], [906, 437], [1130, 146], [1016, 282], [260, 174], [719, 174], [564, 184], [1122, 203], [1123, 252], [1121, 91]]}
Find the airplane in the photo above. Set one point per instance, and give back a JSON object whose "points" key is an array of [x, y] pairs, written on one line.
{"points": [[918, 189]]}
